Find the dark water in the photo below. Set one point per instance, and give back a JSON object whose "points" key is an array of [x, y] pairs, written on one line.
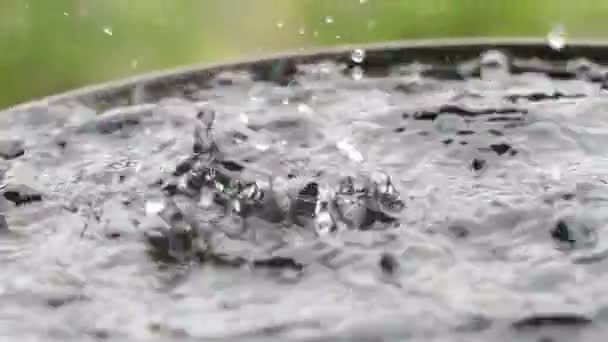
{"points": [[502, 236]]}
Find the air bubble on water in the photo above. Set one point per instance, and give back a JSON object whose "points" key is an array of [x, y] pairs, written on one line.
{"points": [[302, 31], [357, 73], [494, 66], [557, 37], [329, 19], [357, 55], [108, 30], [280, 24]]}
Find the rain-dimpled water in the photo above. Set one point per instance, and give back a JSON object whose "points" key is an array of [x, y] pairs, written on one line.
{"points": [[341, 204]]}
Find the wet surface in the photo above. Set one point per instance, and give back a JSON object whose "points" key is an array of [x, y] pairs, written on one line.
{"points": [[339, 202]]}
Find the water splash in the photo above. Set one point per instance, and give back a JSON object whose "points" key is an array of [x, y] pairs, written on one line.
{"points": [[494, 66], [557, 37], [357, 73]]}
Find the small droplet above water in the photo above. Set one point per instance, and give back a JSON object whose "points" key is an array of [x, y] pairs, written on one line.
{"points": [[557, 37], [107, 30], [358, 55], [329, 20]]}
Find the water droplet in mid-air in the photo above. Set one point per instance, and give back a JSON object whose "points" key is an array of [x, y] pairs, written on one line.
{"points": [[358, 55], [557, 37], [107, 30], [329, 19]]}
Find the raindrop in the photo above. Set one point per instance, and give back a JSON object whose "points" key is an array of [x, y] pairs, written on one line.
{"points": [[329, 20], [358, 55], [557, 37], [280, 24], [107, 30]]}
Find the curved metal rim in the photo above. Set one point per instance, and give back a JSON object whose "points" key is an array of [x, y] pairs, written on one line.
{"points": [[317, 53]]}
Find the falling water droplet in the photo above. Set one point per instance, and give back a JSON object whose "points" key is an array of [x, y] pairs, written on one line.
{"points": [[494, 66], [302, 31], [329, 19], [358, 55], [107, 30], [280, 24], [557, 37]]}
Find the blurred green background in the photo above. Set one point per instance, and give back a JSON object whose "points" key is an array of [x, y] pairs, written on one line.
{"points": [[48, 46]]}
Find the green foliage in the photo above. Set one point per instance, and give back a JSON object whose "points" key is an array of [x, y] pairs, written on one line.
{"points": [[51, 46]]}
